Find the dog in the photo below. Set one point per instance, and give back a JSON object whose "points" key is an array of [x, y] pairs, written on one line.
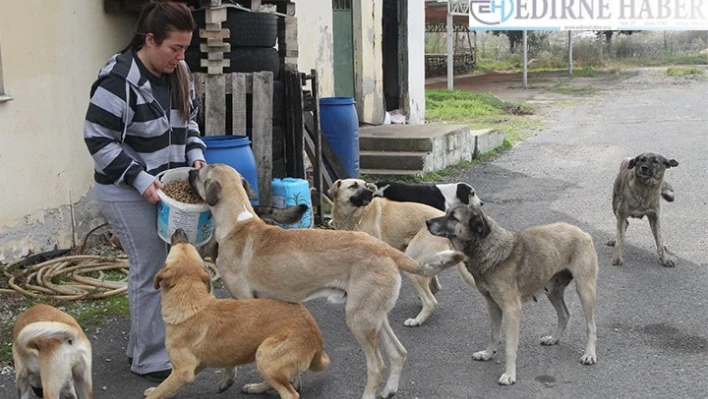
{"points": [[439, 196], [296, 265], [511, 267], [399, 224], [636, 193], [203, 331], [52, 355]]}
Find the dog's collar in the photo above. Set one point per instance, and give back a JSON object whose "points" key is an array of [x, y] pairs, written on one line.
{"points": [[363, 215]]}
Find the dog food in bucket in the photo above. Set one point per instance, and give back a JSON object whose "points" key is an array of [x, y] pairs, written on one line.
{"points": [[175, 210]]}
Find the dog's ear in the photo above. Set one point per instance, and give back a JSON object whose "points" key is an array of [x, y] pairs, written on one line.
{"points": [[632, 162], [671, 163], [250, 192], [206, 279], [163, 276], [213, 192], [478, 224], [332, 192], [464, 193]]}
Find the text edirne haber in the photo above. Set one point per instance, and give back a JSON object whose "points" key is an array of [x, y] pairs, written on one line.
{"points": [[609, 9]]}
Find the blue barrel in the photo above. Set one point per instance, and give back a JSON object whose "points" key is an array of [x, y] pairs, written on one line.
{"points": [[236, 152], [290, 192], [340, 125]]}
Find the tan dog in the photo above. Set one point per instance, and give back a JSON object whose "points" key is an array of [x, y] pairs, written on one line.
{"points": [[510, 267], [300, 264], [203, 331], [52, 355], [400, 225], [637, 192]]}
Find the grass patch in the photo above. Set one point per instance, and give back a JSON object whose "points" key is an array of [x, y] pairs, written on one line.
{"points": [[683, 71], [88, 313]]}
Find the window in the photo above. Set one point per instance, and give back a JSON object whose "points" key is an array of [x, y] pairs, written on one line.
{"points": [[3, 97]]}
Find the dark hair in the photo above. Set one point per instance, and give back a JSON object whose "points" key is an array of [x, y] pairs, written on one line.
{"points": [[160, 18]]}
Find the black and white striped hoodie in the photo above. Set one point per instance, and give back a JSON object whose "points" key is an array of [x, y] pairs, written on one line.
{"points": [[128, 133]]}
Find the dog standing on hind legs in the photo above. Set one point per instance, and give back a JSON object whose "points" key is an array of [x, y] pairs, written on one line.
{"points": [[511, 267], [637, 192]]}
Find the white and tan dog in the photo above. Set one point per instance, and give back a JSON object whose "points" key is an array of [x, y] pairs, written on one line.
{"points": [[203, 331], [300, 264], [52, 355], [399, 224]]}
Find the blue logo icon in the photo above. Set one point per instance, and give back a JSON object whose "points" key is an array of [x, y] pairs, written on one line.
{"points": [[491, 12]]}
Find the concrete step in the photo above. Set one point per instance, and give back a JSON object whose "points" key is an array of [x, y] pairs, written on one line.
{"points": [[390, 172], [401, 160], [369, 143]]}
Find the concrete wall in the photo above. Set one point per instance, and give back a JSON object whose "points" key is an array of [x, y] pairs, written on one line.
{"points": [[314, 37], [368, 60], [416, 62], [51, 53]]}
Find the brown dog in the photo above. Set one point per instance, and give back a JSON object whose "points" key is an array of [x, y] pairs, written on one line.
{"points": [[398, 224], [637, 192], [513, 266], [52, 355], [300, 264], [203, 331]]}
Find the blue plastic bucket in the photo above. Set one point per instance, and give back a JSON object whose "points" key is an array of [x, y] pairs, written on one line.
{"points": [[236, 152], [340, 125], [290, 192]]}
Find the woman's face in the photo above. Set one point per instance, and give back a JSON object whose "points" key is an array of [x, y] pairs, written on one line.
{"points": [[165, 57]]}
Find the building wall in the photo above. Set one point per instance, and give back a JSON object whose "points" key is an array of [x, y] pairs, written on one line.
{"points": [[416, 62], [368, 60], [51, 53], [314, 37]]}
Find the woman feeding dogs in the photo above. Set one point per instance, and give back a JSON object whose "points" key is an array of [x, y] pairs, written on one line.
{"points": [[140, 122]]}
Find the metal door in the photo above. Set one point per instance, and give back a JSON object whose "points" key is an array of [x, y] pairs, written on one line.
{"points": [[343, 35]]}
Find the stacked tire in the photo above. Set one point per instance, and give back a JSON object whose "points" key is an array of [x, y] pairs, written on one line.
{"points": [[253, 36]]}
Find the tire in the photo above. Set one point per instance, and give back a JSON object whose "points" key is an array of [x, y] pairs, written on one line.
{"points": [[255, 59], [246, 29]]}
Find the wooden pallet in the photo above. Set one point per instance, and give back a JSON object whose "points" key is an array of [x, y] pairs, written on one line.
{"points": [[211, 99]]}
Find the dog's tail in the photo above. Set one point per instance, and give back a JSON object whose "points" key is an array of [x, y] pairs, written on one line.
{"points": [[273, 215], [433, 265], [320, 362], [667, 192], [44, 330]]}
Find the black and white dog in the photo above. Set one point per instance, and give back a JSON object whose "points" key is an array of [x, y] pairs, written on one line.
{"points": [[440, 196]]}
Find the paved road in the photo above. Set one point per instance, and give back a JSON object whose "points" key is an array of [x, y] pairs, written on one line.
{"points": [[652, 321]]}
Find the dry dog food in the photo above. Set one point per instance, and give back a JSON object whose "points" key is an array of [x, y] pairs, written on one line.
{"points": [[181, 190]]}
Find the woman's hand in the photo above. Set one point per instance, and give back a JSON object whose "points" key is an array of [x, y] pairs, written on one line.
{"points": [[151, 193], [199, 164]]}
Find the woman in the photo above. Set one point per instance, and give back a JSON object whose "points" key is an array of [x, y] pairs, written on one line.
{"points": [[140, 122]]}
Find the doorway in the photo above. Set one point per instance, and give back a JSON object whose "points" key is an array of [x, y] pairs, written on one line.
{"points": [[343, 41]]}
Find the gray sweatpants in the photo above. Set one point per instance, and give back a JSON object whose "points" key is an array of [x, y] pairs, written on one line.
{"points": [[135, 222]]}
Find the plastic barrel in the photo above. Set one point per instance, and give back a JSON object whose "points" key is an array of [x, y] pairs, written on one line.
{"points": [[290, 192], [340, 125], [236, 152], [194, 219]]}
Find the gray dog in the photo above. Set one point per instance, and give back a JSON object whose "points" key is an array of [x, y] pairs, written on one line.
{"points": [[637, 191]]}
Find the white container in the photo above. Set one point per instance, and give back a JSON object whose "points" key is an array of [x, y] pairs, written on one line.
{"points": [[194, 219]]}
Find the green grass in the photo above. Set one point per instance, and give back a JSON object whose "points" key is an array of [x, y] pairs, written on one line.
{"points": [[683, 71]]}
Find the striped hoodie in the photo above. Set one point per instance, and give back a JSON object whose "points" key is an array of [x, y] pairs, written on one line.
{"points": [[129, 135]]}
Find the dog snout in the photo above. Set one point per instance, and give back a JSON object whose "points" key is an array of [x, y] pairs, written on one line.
{"points": [[179, 237], [192, 177]]}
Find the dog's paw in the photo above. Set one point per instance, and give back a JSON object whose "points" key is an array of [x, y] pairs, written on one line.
{"points": [[549, 340], [507, 379], [588, 359], [412, 322], [610, 243], [148, 392], [483, 355], [227, 380], [668, 262], [617, 261], [256, 387]]}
